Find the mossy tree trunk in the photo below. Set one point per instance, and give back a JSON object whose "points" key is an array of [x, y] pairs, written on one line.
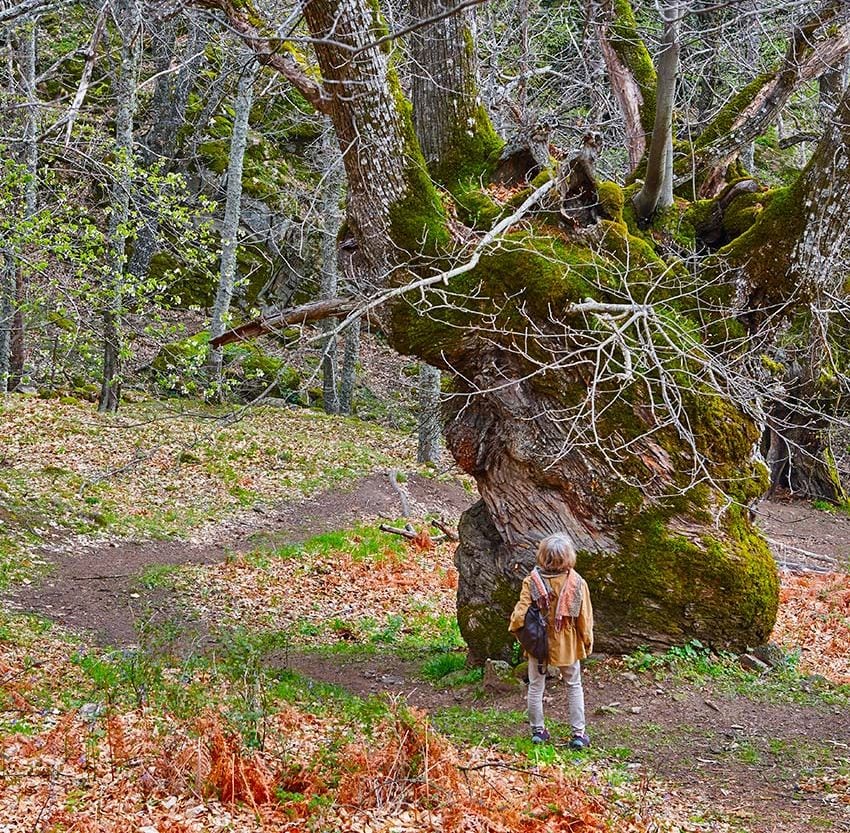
{"points": [[630, 72], [819, 41], [451, 123], [551, 444], [790, 267]]}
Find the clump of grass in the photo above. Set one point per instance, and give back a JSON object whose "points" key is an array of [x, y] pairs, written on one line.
{"points": [[441, 665], [158, 576], [698, 664], [362, 543]]}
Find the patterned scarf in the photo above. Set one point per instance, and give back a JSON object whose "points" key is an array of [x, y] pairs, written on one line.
{"points": [[569, 599]]}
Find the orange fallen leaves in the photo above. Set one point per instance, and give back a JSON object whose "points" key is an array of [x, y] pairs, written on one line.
{"points": [[814, 617]]}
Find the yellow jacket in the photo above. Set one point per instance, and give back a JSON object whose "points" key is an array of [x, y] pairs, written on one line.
{"points": [[570, 644]]}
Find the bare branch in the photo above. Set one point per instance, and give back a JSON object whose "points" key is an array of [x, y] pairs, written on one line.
{"points": [[270, 51]]}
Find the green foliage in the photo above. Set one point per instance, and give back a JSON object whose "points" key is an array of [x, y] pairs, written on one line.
{"points": [[362, 542], [247, 370], [440, 665]]}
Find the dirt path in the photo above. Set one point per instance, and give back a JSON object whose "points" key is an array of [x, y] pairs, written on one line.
{"points": [[96, 589], [752, 761], [804, 537]]}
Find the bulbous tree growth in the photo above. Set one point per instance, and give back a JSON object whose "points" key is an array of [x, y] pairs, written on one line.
{"points": [[587, 394]]}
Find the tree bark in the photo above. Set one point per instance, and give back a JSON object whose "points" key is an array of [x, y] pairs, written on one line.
{"points": [[800, 455], [329, 279], [232, 209], [27, 65], [451, 123], [429, 448], [820, 40], [350, 358], [7, 313], [630, 72], [831, 86], [126, 15], [661, 568], [375, 138], [657, 190]]}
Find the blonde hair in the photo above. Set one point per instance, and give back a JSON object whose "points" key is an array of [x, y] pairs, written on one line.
{"points": [[556, 554]]}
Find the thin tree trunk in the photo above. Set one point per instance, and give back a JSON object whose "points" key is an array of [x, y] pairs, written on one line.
{"points": [[524, 62], [7, 311], [350, 357], [430, 446], [27, 63], [626, 61], [126, 15], [329, 280], [657, 190], [232, 206]]}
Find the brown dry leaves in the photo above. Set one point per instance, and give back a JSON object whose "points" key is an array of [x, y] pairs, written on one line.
{"points": [[414, 584], [165, 467], [152, 774], [814, 616]]}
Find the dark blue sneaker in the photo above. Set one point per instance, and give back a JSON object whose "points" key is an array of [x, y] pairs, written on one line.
{"points": [[579, 742], [540, 736]]}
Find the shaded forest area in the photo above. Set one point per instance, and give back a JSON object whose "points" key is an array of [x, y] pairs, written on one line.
{"points": [[585, 263], [619, 236]]}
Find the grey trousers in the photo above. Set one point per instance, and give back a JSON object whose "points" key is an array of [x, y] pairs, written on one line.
{"points": [[575, 695]]}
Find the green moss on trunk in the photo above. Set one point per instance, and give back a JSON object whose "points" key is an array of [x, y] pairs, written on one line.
{"points": [[632, 52]]}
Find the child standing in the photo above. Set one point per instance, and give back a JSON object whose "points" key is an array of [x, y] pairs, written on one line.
{"points": [[562, 594]]}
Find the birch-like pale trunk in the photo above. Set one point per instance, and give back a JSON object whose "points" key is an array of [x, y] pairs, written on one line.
{"points": [[29, 146], [348, 376], [329, 278], [127, 18], [430, 435], [232, 207], [657, 190], [7, 312]]}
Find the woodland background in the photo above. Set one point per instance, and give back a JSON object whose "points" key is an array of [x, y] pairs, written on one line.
{"points": [[277, 278]]}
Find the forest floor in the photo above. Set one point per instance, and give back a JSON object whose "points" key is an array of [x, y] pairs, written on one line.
{"points": [[314, 618]]}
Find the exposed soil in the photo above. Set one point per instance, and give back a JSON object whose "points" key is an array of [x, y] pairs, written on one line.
{"points": [[801, 536], [95, 589], [747, 759]]}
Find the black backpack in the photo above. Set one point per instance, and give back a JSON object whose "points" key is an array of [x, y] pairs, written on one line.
{"points": [[534, 636]]}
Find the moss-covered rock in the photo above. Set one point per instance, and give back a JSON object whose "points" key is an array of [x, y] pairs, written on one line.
{"points": [[179, 367], [611, 200]]}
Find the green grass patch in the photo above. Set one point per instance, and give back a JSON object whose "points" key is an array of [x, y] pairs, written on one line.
{"points": [[158, 576], [362, 543], [696, 664]]}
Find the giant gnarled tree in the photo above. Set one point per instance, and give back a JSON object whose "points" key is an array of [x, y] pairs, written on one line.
{"points": [[590, 394]]}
